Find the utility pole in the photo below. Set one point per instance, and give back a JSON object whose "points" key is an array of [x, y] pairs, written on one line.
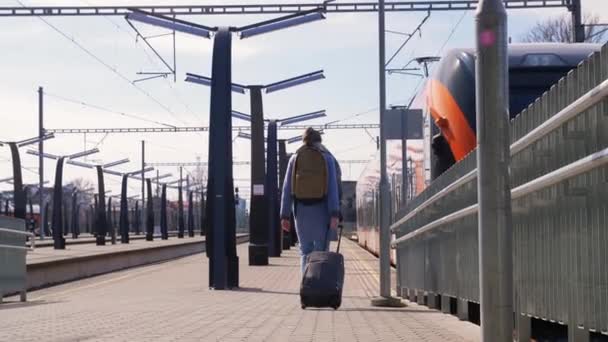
{"points": [[493, 186], [143, 181], [41, 159], [385, 298], [578, 29]]}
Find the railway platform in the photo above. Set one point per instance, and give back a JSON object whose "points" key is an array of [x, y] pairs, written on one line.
{"points": [[170, 301]]}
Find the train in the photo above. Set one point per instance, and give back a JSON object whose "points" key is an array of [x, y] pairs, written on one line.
{"points": [[447, 101]]}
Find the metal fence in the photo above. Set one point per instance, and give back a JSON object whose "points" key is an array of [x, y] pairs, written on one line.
{"points": [[559, 178], [13, 256]]}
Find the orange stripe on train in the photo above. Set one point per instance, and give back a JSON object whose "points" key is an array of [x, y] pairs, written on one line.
{"points": [[450, 119]]}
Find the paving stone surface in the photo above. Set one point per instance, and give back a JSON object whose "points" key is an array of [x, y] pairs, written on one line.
{"points": [[171, 302]]}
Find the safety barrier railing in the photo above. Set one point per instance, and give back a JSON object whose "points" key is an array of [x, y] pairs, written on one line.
{"points": [[31, 236], [13, 251], [559, 180]]}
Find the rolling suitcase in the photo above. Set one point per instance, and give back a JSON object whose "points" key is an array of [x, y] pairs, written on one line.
{"points": [[323, 279]]}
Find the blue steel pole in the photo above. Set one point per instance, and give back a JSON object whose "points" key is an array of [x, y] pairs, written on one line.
{"points": [[163, 214], [58, 239], [100, 223], [18, 194], [149, 211], [43, 216], [274, 233], [283, 162], [124, 211], [258, 214], [223, 270]]}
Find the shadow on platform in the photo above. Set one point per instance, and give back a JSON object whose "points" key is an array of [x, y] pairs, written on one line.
{"points": [[372, 309], [7, 305]]}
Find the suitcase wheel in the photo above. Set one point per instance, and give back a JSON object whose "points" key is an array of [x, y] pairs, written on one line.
{"points": [[303, 306]]}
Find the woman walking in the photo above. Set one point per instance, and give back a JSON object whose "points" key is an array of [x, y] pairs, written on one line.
{"points": [[310, 191]]}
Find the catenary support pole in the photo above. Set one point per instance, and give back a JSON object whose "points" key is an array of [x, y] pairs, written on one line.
{"points": [[43, 216], [385, 298], [578, 29], [493, 186]]}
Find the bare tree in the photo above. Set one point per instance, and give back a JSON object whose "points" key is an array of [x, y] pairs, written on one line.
{"points": [[559, 30]]}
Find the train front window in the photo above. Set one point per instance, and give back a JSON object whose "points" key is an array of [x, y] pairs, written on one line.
{"points": [[526, 85]]}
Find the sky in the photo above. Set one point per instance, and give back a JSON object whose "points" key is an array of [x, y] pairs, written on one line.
{"points": [[345, 46]]}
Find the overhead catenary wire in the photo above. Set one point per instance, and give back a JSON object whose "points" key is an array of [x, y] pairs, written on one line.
{"points": [[107, 66], [154, 62], [104, 109], [407, 40], [451, 34]]}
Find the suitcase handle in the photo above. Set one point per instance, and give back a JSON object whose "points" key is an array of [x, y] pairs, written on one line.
{"points": [[340, 227]]}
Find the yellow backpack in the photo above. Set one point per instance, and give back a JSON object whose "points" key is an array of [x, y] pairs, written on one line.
{"points": [[309, 177]]}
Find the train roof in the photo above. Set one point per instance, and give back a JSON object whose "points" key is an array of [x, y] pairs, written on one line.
{"points": [[531, 54]]}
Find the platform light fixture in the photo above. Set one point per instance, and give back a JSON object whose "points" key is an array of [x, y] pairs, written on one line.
{"points": [[166, 175], [116, 163], [244, 135], [45, 155], [170, 23], [269, 88], [112, 172], [35, 140], [206, 81], [303, 117], [280, 23], [298, 138], [83, 153], [242, 116], [81, 164], [294, 81], [139, 172]]}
